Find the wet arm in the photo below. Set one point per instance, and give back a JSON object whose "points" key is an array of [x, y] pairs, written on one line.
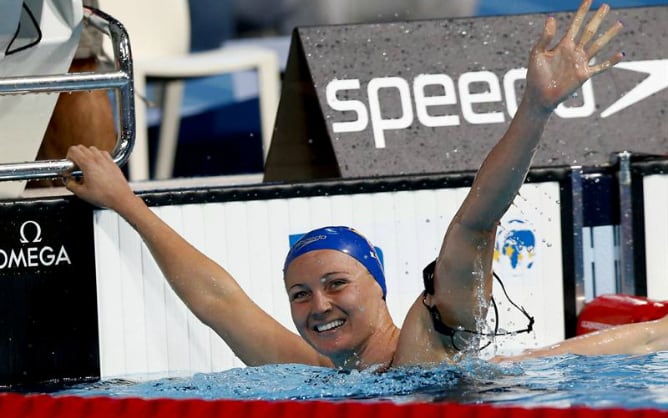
{"points": [[213, 295], [208, 290], [465, 261], [463, 270]]}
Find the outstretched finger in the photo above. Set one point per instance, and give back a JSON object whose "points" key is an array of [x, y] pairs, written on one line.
{"points": [[606, 64], [593, 25], [576, 23], [547, 36], [604, 39]]}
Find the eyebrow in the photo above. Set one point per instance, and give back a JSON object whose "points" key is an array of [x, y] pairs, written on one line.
{"points": [[324, 276]]}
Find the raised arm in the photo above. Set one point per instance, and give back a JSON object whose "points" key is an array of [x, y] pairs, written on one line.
{"points": [[206, 288], [463, 270]]}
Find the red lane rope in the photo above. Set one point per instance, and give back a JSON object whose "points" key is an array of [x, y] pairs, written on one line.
{"points": [[606, 311], [42, 406]]}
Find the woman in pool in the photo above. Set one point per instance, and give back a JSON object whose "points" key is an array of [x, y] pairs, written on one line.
{"points": [[336, 292]]}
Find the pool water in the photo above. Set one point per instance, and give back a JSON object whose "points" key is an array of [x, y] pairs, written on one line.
{"points": [[563, 381]]}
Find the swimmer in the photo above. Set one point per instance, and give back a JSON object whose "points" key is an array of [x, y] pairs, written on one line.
{"points": [[336, 292]]}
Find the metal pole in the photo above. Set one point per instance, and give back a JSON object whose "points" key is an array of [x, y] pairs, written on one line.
{"points": [[120, 81], [627, 269], [578, 224]]}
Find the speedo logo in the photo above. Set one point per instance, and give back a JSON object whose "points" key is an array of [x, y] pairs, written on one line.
{"points": [[413, 95]]}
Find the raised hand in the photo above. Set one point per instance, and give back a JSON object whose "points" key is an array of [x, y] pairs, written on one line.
{"points": [[554, 74], [103, 183]]}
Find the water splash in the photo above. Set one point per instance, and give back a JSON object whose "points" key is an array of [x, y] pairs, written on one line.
{"points": [[285, 382], [561, 381]]}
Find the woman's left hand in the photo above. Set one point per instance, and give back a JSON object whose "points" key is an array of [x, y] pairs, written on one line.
{"points": [[554, 74]]}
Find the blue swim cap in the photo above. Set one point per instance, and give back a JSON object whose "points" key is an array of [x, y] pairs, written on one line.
{"points": [[344, 239]]}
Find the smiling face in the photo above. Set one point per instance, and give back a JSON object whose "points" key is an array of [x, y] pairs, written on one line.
{"points": [[336, 304]]}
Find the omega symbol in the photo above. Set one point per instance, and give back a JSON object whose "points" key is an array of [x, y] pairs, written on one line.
{"points": [[38, 232]]}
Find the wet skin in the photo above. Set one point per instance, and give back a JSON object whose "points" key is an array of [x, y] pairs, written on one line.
{"points": [[337, 306]]}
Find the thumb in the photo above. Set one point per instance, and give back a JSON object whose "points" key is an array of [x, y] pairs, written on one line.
{"points": [[72, 184]]}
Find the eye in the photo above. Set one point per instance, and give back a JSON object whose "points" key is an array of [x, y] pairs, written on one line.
{"points": [[336, 284], [299, 296]]}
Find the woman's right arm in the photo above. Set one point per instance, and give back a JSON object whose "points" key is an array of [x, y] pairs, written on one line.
{"points": [[208, 290]]}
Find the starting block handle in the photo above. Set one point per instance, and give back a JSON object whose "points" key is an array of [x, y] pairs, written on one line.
{"points": [[120, 80]]}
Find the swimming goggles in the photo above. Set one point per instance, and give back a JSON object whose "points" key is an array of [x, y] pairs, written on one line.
{"points": [[462, 334]]}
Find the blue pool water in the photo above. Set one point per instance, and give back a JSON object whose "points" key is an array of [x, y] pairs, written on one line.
{"points": [[564, 381]]}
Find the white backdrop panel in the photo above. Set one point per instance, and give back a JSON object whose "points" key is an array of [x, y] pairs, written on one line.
{"points": [[145, 328], [656, 235]]}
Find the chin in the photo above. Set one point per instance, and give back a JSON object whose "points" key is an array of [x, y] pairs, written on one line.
{"points": [[331, 349]]}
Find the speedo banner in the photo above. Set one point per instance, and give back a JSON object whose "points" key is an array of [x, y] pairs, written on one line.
{"points": [[435, 95]]}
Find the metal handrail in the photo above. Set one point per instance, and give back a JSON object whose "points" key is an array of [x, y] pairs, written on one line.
{"points": [[120, 80]]}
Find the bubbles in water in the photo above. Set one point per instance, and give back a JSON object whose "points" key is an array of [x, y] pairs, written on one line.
{"points": [[592, 381]]}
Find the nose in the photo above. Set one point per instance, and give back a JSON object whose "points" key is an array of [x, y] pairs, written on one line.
{"points": [[320, 303]]}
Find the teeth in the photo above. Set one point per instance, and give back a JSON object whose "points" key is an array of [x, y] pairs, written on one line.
{"points": [[328, 326]]}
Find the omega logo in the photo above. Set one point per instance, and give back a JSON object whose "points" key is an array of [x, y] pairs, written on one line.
{"points": [[38, 232], [32, 255]]}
